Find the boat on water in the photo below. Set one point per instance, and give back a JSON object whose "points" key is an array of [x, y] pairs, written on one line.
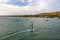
{"points": [[47, 20]]}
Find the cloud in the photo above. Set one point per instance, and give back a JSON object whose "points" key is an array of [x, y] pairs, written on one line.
{"points": [[4, 1], [6, 9], [26, 0], [34, 7]]}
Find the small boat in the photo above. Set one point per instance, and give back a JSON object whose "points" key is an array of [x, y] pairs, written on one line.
{"points": [[47, 20], [16, 20]]}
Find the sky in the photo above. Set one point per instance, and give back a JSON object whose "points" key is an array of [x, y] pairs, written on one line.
{"points": [[28, 7]]}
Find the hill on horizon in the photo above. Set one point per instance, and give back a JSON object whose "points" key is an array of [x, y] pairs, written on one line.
{"points": [[47, 15], [44, 15]]}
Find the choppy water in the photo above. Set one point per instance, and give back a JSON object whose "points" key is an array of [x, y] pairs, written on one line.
{"points": [[18, 28]]}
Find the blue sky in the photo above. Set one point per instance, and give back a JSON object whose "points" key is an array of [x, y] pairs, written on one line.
{"points": [[19, 3], [26, 7]]}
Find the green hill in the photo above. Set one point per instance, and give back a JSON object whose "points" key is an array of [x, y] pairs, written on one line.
{"points": [[42, 15], [45, 15], [49, 15]]}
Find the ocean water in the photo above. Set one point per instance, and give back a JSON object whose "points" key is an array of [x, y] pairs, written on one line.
{"points": [[18, 28]]}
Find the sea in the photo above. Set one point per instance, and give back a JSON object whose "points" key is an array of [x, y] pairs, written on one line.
{"points": [[18, 28]]}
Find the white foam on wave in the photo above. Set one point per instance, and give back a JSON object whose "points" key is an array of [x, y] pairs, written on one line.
{"points": [[16, 33]]}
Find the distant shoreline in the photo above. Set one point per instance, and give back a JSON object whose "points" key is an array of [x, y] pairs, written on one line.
{"points": [[30, 17], [40, 15]]}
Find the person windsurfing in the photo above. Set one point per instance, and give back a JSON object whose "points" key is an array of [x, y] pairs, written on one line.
{"points": [[31, 26]]}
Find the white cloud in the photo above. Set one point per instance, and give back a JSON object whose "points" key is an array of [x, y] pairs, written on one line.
{"points": [[26, 0], [22, 0], [4, 1], [6, 9], [30, 0], [34, 7]]}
